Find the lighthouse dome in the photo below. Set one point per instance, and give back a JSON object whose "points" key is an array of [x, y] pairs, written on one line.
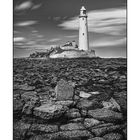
{"points": [[83, 8]]}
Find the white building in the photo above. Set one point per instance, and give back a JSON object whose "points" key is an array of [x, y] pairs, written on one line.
{"points": [[83, 30]]}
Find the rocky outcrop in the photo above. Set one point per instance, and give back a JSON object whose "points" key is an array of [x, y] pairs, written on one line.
{"points": [[49, 111], [78, 99]]}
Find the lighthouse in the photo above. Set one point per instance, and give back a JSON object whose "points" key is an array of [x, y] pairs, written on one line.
{"points": [[83, 30]]}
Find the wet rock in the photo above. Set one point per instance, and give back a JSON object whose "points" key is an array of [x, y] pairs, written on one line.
{"points": [[29, 106], [69, 135], [88, 104], [76, 98], [67, 103], [97, 138], [72, 126], [49, 111], [113, 136], [73, 113], [83, 112], [125, 133], [31, 95], [105, 115], [77, 120], [94, 92], [121, 99], [26, 87], [111, 105], [64, 91], [84, 94], [89, 122], [18, 105], [44, 128], [20, 129], [37, 137], [102, 129]]}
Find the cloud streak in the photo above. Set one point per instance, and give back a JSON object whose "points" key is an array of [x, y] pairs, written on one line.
{"points": [[26, 6], [106, 42], [19, 39], [26, 23], [109, 21]]}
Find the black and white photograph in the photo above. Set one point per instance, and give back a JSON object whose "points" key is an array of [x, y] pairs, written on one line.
{"points": [[69, 70]]}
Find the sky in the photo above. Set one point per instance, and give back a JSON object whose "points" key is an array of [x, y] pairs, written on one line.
{"points": [[41, 24]]}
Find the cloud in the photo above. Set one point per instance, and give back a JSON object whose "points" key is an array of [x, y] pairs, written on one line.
{"points": [[71, 36], [27, 5], [108, 21], [104, 42], [24, 6], [54, 40], [56, 18], [26, 23], [19, 39], [36, 6]]}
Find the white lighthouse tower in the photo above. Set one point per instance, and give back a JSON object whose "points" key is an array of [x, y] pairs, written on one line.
{"points": [[83, 30]]}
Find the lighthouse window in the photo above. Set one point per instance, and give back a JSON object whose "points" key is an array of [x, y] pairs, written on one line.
{"points": [[83, 33], [84, 12], [83, 18]]}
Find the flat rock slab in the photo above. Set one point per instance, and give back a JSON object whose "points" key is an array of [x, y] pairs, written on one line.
{"points": [[26, 87], [105, 115], [88, 104], [64, 91], [49, 111], [84, 94], [103, 129], [44, 128], [69, 135], [113, 136], [97, 138], [72, 126], [65, 103]]}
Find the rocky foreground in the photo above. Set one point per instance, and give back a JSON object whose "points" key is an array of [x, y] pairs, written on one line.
{"points": [[70, 99]]}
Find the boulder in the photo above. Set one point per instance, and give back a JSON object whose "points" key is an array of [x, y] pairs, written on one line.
{"points": [[105, 115], [64, 91], [103, 129], [111, 105], [84, 94], [73, 113], [113, 136], [72, 126], [90, 122], [50, 111], [88, 104]]}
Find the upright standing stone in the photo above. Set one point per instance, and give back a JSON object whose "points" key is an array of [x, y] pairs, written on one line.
{"points": [[64, 91]]}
